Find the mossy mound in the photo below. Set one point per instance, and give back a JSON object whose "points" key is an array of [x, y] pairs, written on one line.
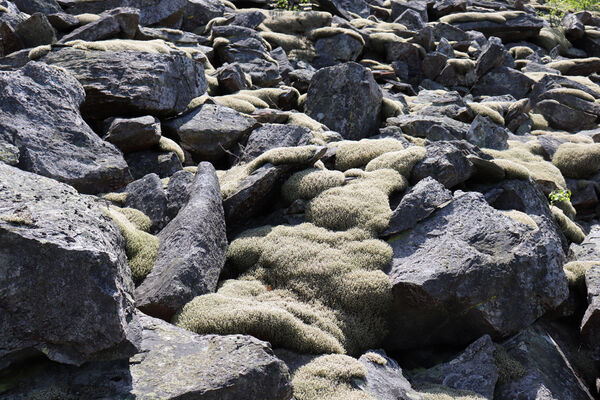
{"points": [[309, 183], [401, 161], [166, 144], [352, 154], [331, 377], [141, 247], [575, 271], [362, 203], [569, 228], [509, 369], [471, 16], [137, 218], [522, 218], [577, 160], [483, 109]]}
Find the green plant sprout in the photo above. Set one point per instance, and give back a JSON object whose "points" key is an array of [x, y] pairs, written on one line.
{"points": [[293, 5], [556, 196]]}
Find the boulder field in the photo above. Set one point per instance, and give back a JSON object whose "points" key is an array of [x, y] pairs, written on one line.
{"points": [[327, 200]]}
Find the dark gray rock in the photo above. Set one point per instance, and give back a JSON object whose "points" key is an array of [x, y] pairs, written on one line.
{"points": [[522, 27], [147, 195], [270, 136], [35, 31], [130, 82], [337, 49], [151, 11], [384, 378], [13, 16], [574, 28], [444, 7], [178, 191], [346, 99], [38, 6], [63, 22], [445, 48], [343, 7], [542, 372], [246, 47], [412, 19], [209, 130], [446, 162], [474, 370], [485, 133], [416, 205], [572, 101], [192, 250], [40, 116], [198, 12], [231, 78], [430, 127], [549, 82], [9, 40], [468, 270], [9, 154], [407, 54], [249, 19], [65, 287], [173, 364], [589, 249], [433, 64], [590, 324], [564, 117], [399, 7], [503, 80], [162, 163], [492, 56], [134, 134], [118, 23]]}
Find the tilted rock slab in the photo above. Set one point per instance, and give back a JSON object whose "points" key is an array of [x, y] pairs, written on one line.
{"points": [[192, 250], [40, 115], [65, 287], [468, 270], [132, 83]]}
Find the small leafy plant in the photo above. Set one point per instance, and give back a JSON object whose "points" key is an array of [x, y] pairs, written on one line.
{"points": [[556, 196], [558, 9], [293, 5]]}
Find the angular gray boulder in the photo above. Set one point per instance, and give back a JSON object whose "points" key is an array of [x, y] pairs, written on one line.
{"points": [[192, 250], [384, 378], [474, 370], [590, 324], [270, 136], [446, 162], [469, 269], [40, 115], [172, 364], [133, 134], [148, 196], [130, 82], [503, 80], [346, 99], [65, 287]]}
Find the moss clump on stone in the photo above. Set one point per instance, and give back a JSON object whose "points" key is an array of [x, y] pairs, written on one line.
{"points": [[577, 160], [482, 109], [309, 183], [497, 17], [255, 101], [509, 369], [401, 161], [331, 377], [362, 203], [376, 358], [39, 51], [575, 271], [137, 218], [119, 198], [166, 144], [141, 247], [236, 103], [569, 228], [521, 52], [86, 18], [271, 96], [512, 170], [249, 307], [391, 108], [354, 154], [146, 46], [522, 218]]}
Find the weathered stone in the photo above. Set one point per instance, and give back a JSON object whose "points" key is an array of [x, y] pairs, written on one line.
{"points": [[590, 324], [231, 78], [151, 11], [343, 7], [192, 250], [270, 136], [337, 49], [178, 191], [134, 134], [492, 56], [346, 99], [198, 12], [38, 6], [118, 23], [162, 163], [131, 82], [564, 117], [503, 80], [589, 249], [574, 28], [398, 7], [9, 154], [446, 162], [433, 63], [522, 27], [474, 370], [35, 31], [40, 116], [412, 19], [444, 7], [416, 205], [384, 378], [538, 370], [65, 287], [173, 364], [430, 127], [209, 130], [485, 133], [147, 195], [468, 270]]}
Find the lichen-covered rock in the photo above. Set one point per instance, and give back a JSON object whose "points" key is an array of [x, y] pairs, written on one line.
{"points": [[128, 82], [172, 364], [474, 370], [191, 253], [484, 133], [270, 136], [346, 99], [134, 134], [148, 196], [40, 116], [503, 80], [162, 163], [384, 379], [9, 154], [469, 270], [446, 162], [65, 286], [432, 127], [590, 325]]}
